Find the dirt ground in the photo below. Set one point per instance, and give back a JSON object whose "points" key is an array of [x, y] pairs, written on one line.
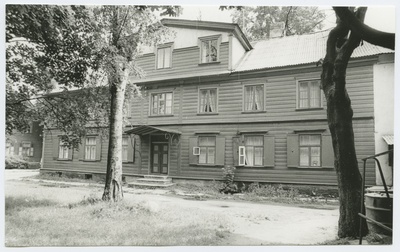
{"points": [[249, 223]]}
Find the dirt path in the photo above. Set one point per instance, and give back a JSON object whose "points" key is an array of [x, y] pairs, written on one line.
{"points": [[249, 223]]}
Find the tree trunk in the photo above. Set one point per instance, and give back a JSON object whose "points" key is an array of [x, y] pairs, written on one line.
{"points": [[113, 186], [340, 46]]}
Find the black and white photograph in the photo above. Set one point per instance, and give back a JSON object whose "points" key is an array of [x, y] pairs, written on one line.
{"points": [[256, 125]]}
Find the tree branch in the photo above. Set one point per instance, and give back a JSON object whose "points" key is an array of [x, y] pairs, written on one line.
{"points": [[366, 33]]}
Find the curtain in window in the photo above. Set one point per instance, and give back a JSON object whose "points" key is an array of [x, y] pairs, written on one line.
{"points": [[203, 101], [315, 94], [258, 97], [254, 150], [90, 148], [62, 152], [249, 98], [212, 100], [168, 103]]}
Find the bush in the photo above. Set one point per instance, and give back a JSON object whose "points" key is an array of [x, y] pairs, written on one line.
{"points": [[16, 162], [228, 175]]}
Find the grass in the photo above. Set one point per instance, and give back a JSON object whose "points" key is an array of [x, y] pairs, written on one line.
{"points": [[256, 192], [91, 222]]}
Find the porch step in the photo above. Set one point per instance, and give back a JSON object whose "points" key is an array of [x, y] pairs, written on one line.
{"points": [[152, 181]]}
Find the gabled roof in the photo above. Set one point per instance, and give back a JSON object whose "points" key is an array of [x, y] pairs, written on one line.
{"points": [[296, 50], [209, 25]]}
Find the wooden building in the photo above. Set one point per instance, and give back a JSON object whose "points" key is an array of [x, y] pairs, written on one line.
{"points": [[27, 144], [211, 98]]}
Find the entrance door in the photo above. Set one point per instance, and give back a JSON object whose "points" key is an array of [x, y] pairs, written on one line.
{"points": [[159, 158]]}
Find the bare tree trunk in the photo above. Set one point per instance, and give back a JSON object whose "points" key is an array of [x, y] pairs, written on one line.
{"points": [[340, 115], [113, 186]]}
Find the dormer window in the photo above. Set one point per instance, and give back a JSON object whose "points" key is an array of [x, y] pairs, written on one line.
{"points": [[164, 56], [209, 49]]}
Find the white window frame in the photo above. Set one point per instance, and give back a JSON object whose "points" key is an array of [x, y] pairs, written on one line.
{"points": [[158, 103], [242, 155], [199, 100], [298, 94], [196, 151], [90, 153], [207, 156], [163, 48], [209, 39], [244, 97], [309, 151], [10, 148], [29, 151], [63, 151]]}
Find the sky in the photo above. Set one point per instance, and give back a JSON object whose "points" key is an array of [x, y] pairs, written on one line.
{"points": [[373, 17]]}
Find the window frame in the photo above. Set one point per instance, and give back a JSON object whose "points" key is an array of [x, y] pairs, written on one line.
{"points": [[243, 154], [93, 146], [209, 39], [29, 150], [124, 148], [151, 108], [207, 152], [10, 148], [308, 92], [244, 98], [61, 145], [163, 47], [309, 150], [199, 100]]}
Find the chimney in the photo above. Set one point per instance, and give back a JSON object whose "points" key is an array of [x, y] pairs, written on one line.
{"points": [[277, 30]]}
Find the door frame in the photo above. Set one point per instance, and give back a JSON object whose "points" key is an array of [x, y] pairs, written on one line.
{"points": [[151, 155]]}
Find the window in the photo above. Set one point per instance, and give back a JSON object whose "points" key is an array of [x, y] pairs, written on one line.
{"points": [[310, 150], [254, 98], [207, 150], [209, 49], [252, 153], [125, 149], [161, 104], [164, 57], [90, 148], [9, 148], [309, 94], [63, 151], [26, 149], [127, 108], [208, 100]]}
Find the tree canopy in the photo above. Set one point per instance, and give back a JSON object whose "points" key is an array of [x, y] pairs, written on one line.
{"points": [[256, 21]]}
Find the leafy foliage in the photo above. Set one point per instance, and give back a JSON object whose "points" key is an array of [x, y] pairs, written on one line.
{"points": [[228, 176], [256, 21], [16, 162], [62, 48]]}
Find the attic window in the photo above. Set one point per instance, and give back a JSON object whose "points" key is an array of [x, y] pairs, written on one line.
{"points": [[209, 49], [164, 56]]}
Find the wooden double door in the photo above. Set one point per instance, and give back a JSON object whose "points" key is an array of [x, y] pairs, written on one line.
{"points": [[159, 158]]}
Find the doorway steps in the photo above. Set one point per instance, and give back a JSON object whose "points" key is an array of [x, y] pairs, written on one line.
{"points": [[152, 181]]}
